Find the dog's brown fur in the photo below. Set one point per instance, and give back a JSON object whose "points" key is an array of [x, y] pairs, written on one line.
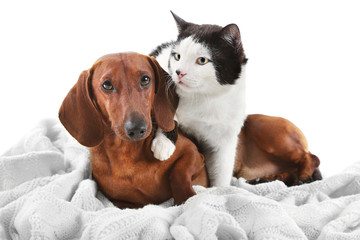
{"points": [[125, 170], [273, 148]]}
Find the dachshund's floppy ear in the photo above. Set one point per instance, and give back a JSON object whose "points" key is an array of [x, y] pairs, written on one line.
{"points": [[79, 115], [166, 100]]}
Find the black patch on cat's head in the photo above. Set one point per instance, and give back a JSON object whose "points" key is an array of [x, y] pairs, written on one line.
{"points": [[224, 43], [158, 50]]}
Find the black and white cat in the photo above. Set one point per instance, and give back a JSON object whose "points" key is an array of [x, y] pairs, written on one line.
{"points": [[207, 65]]}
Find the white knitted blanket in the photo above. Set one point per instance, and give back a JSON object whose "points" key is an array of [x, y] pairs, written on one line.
{"points": [[46, 193]]}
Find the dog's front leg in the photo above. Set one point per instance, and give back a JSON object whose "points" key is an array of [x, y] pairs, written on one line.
{"points": [[180, 182], [187, 170]]}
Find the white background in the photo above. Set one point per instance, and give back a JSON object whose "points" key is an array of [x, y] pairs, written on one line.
{"points": [[303, 59]]}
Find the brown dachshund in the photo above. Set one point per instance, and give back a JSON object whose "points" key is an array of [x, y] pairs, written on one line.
{"points": [[273, 148], [110, 110]]}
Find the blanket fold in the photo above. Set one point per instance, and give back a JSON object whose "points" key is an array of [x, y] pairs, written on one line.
{"points": [[46, 192]]}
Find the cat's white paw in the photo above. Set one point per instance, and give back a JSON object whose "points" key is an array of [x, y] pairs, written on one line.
{"points": [[162, 147]]}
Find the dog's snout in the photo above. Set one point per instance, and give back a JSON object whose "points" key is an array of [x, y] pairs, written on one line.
{"points": [[135, 128]]}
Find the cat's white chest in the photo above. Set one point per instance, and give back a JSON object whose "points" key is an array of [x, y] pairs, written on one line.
{"points": [[213, 120]]}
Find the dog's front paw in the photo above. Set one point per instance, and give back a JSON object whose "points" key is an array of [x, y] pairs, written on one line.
{"points": [[162, 147]]}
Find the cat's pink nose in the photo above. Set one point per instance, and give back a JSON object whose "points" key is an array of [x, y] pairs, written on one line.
{"points": [[180, 74]]}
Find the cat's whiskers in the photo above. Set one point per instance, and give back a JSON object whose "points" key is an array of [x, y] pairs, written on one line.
{"points": [[170, 87], [169, 84], [191, 82]]}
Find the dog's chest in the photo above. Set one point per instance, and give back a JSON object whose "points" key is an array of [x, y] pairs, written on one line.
{"points": [[131, 175]]}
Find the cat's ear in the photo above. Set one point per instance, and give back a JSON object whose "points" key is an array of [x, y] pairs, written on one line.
{"points": [[231, 34], [181, 23]]}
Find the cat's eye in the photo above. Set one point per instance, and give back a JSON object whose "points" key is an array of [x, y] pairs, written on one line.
{"points": [[176, 56], [145, 81], [202, 60], [107, 86]]}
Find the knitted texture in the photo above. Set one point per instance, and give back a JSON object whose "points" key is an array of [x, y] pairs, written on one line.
{"points": [[46, 192]]}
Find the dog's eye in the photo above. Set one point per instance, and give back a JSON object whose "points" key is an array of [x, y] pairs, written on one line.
{"points": [[107, 86], [145, 81], [202, 60]]}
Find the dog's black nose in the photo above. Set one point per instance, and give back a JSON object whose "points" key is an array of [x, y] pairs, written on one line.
{"points": [[135, 129]]}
